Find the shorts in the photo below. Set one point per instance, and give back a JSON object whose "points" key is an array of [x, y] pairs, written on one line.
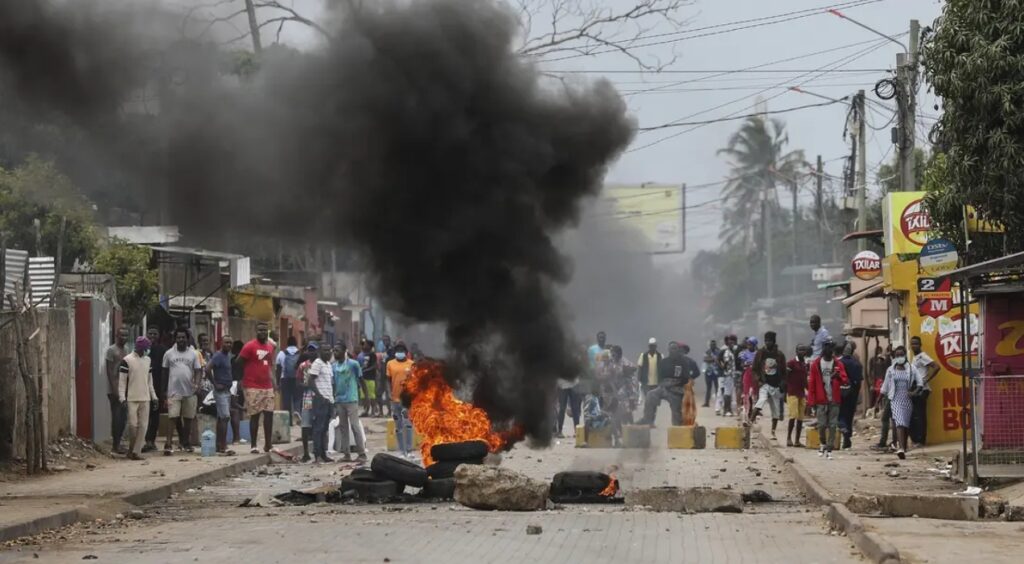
{"points": [[258, 400], [796, 407], [223, 402], [772, 396], [371, 390], [182, 407]]}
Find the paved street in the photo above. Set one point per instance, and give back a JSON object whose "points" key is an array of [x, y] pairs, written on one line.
{"points": [[206, 524]]}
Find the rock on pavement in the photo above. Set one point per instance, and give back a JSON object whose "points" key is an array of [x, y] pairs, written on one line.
{"points": [[686, 500], [490, 487]]}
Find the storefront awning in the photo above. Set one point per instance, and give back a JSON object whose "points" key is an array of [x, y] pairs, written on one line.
{"points": [[873, 290]]}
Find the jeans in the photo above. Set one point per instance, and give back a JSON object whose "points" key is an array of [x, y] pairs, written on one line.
{"points": [[847, 409], [118, 419], [223, 401], [291, 397], [321, 422], [348, 418], [828, 421], [403, 427], [567, 397], [723, 401], [711, 381], [653, 399]]}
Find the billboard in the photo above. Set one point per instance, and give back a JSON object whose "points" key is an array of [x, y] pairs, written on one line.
{"points": [[656, 210]]}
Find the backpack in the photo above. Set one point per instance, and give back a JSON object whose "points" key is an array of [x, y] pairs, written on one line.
{"points": [[291, 363]]}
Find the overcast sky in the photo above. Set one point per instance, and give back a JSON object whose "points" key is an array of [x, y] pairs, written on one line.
{"points": [[855, 59]]}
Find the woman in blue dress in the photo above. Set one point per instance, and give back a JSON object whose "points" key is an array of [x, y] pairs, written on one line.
{"points": [[900, 380]]}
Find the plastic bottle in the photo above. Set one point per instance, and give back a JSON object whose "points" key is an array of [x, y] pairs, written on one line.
{"points": [[209, 443]]}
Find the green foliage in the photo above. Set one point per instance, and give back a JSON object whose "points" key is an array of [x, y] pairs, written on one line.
{"points": [[888, 177], [37, 190], [137, 286], [975, 62]]}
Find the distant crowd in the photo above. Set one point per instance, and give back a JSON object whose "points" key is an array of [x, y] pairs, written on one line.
{"points": [[822, 381]]}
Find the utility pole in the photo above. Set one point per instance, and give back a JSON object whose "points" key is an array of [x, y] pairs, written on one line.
{"points": [[906, 99], [796, 221], [819, 211], [766, 220], [862, 173]]}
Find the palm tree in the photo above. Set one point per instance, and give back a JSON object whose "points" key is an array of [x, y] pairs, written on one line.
{"points": [[756, 154]]}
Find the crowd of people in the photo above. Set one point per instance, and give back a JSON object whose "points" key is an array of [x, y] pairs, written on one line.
{"points": [[822, 381], [317, 384]]}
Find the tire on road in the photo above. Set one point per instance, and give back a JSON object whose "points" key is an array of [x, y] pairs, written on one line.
{"points": [[579, 481], [371, 488], [446, 468], [399, 470], [439, 488], [366, 474], [463, 450]]}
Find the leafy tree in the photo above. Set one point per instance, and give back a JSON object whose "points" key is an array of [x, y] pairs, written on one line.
{"points": [[758, 157], [974, 60], [137, 287], [888, 177], [38, 190]]}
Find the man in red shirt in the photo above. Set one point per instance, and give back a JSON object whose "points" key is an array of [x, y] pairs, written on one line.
{"points": [[796, 393], [257, 358], [825, 392]]}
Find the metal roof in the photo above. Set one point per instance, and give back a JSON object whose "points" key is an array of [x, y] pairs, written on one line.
{"points": [[989, 267], [870, 291], [195, 252]]}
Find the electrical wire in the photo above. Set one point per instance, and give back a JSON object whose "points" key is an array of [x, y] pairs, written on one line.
{"points": [[733, 118], [829, 67], [753, 23]]}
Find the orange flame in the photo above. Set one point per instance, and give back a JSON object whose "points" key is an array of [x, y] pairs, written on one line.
{"points": [[612, 488], [439, 417]]}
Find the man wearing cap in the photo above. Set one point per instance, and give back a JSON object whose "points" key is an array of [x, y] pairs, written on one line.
{"points": [[769, 368], [647, 367], [135, 389]]}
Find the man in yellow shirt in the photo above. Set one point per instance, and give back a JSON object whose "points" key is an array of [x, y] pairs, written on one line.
{"points": [[398, 370]]}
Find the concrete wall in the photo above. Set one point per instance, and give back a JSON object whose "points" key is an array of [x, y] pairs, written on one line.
{"points": [[56, 336]]}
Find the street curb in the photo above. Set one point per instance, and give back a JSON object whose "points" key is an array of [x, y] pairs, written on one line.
{"points": [[143, 497], [872, 545]]}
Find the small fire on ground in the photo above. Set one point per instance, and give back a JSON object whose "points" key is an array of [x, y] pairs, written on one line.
{"points": [[439, 417], [613, 483]]}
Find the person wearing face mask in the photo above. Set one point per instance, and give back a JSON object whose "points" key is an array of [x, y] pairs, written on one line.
{"points": [[398, 371], [900, 378], [824, 393]]}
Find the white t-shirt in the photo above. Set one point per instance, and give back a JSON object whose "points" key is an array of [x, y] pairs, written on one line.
{"points": [[920, 363], [827, 367], [180, 367]]}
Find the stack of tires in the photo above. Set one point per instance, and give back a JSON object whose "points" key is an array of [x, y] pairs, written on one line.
{"points": [[447, 457], [386, 478]]}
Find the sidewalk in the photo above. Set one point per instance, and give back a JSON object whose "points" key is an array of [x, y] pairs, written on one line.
{"points": [[34, 505], [915, 486]]}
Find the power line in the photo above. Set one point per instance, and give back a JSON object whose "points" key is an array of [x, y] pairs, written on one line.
{"points": [[835, 64], [745, 116], [753, 70], [734, 88], [753, 23]]}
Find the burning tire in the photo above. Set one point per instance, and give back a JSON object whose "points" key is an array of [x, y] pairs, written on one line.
{"points": [[446, 468], [462, 451], [580, 481], [370, 488], [399, 470], [439, 488]]}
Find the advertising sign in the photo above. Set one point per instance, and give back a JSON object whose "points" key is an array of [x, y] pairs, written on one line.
{"points": [[938, 256], [942, 340], [866, 265], [656, 210], [906, 222], [1003, 349]]}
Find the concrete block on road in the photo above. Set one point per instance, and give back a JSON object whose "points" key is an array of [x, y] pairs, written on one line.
{"points": [[685, 500], [282, 431], [594, 438], [863, 504], [732, 437], [687, 437], [929, 506], [636, 436]]}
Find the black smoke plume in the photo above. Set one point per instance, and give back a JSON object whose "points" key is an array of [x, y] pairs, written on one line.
{"points": [[417, 138]]}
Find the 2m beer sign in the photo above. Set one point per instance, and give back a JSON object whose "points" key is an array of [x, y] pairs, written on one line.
{"points": [[934, 296]]}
